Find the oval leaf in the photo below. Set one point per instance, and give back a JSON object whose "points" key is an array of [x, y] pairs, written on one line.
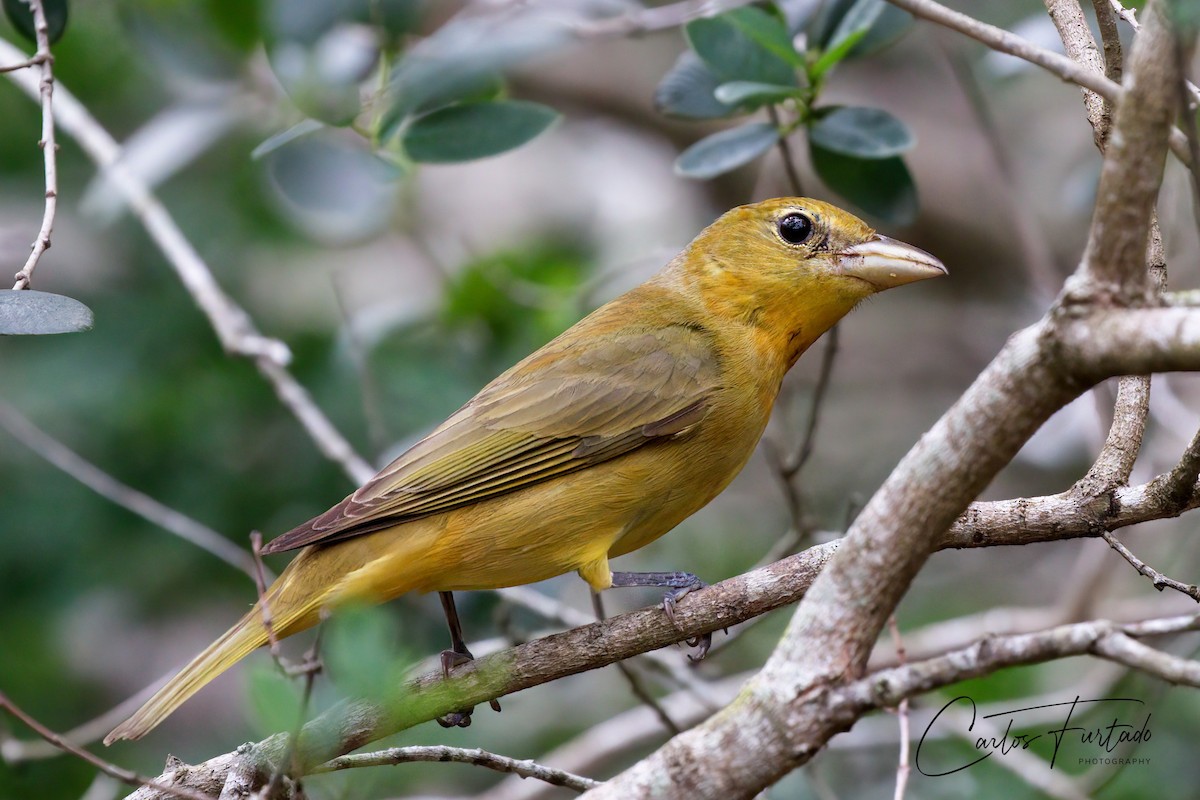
{"points": [[21, 17], [840, 19], [422, 84], [861, 132], [887, 29], [726, 150], [752, 95], [731, 46], [26, 312], [475, 130], [687, 91], [882, 187]]}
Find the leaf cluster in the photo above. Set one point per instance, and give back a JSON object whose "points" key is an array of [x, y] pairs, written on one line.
{"points": [[754, 58]]}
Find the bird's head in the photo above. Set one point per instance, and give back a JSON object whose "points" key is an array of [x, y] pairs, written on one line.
{"points": [[792, 267]]}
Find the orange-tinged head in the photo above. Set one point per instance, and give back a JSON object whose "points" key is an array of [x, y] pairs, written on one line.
{"points": [[792, 267]]}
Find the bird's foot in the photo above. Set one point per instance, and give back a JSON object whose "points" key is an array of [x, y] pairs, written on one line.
{"points": [[681, 584], [702, 643], [462, 718]]}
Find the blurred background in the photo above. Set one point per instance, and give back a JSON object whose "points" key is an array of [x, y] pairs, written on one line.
{"points": [[283, 138]]}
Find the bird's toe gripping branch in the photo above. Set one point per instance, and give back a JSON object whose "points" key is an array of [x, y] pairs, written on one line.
{"points": [[456, 656], [681, 584]]}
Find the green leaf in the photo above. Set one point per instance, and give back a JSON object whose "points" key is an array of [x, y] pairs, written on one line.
{"points": [[769, 31], [687, 91], [731, 46], [861, 132], [752, 95], [865, 26], [302, 128], [834, 55], [726, 150], [888, 28], [828, 20], [330, 95], [462, 62], [882, 187], [27, 312], [475, 130], [21, 17], [422, 84]]}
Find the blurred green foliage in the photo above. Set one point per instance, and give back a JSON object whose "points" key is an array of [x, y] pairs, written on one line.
{"points": [[90, 593]]}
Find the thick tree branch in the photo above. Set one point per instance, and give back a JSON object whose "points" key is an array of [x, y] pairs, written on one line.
{"points": [[779, 719], [1115, 256], [1012, 522]]}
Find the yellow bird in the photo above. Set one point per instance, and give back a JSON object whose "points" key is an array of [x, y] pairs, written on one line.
{"points": [[591, 447]]}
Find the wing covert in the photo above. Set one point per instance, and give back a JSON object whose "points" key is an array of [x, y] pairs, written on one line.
{"points": [[564, 408]]}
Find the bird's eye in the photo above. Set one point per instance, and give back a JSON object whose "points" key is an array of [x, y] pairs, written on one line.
{"points": [[795, 228]]}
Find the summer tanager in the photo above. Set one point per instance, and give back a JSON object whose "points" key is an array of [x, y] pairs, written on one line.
{"points": [[591, 447]]}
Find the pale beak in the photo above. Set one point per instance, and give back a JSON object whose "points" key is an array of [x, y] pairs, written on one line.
{"points": [[884, 262]]}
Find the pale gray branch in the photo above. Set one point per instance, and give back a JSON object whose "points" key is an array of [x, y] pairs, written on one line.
{"points": [[45, 94], [1115, 256], [1081, 48], [1006, 42], [526, 768], [782, 717], [105, 485]]}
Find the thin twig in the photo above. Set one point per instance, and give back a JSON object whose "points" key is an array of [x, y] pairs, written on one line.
{"points": [[1127, 14], [820, 391], [1159, 580], [15, 751], [105, 485], [233, 326], [112, 770], [1006, 42], [459, 755], [32, 61], [635, 683], [310, 668], [902, 768], [785, 152], [45, 63], [260, 584]]}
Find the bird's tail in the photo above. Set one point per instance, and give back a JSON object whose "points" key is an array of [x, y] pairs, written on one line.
{"points": [[243, 638]]}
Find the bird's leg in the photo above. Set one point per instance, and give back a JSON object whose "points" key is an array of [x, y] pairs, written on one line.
{"points": [[681, 584], [456, 656]]}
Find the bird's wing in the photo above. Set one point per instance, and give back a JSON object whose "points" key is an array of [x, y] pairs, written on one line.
{"points": [[566, 407]]}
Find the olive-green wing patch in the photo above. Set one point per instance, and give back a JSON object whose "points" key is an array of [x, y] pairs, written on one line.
{"points": [[562, 409]]}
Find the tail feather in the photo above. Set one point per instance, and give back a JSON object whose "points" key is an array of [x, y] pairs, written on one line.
{"points": [[235, 644], [376, 567]]}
